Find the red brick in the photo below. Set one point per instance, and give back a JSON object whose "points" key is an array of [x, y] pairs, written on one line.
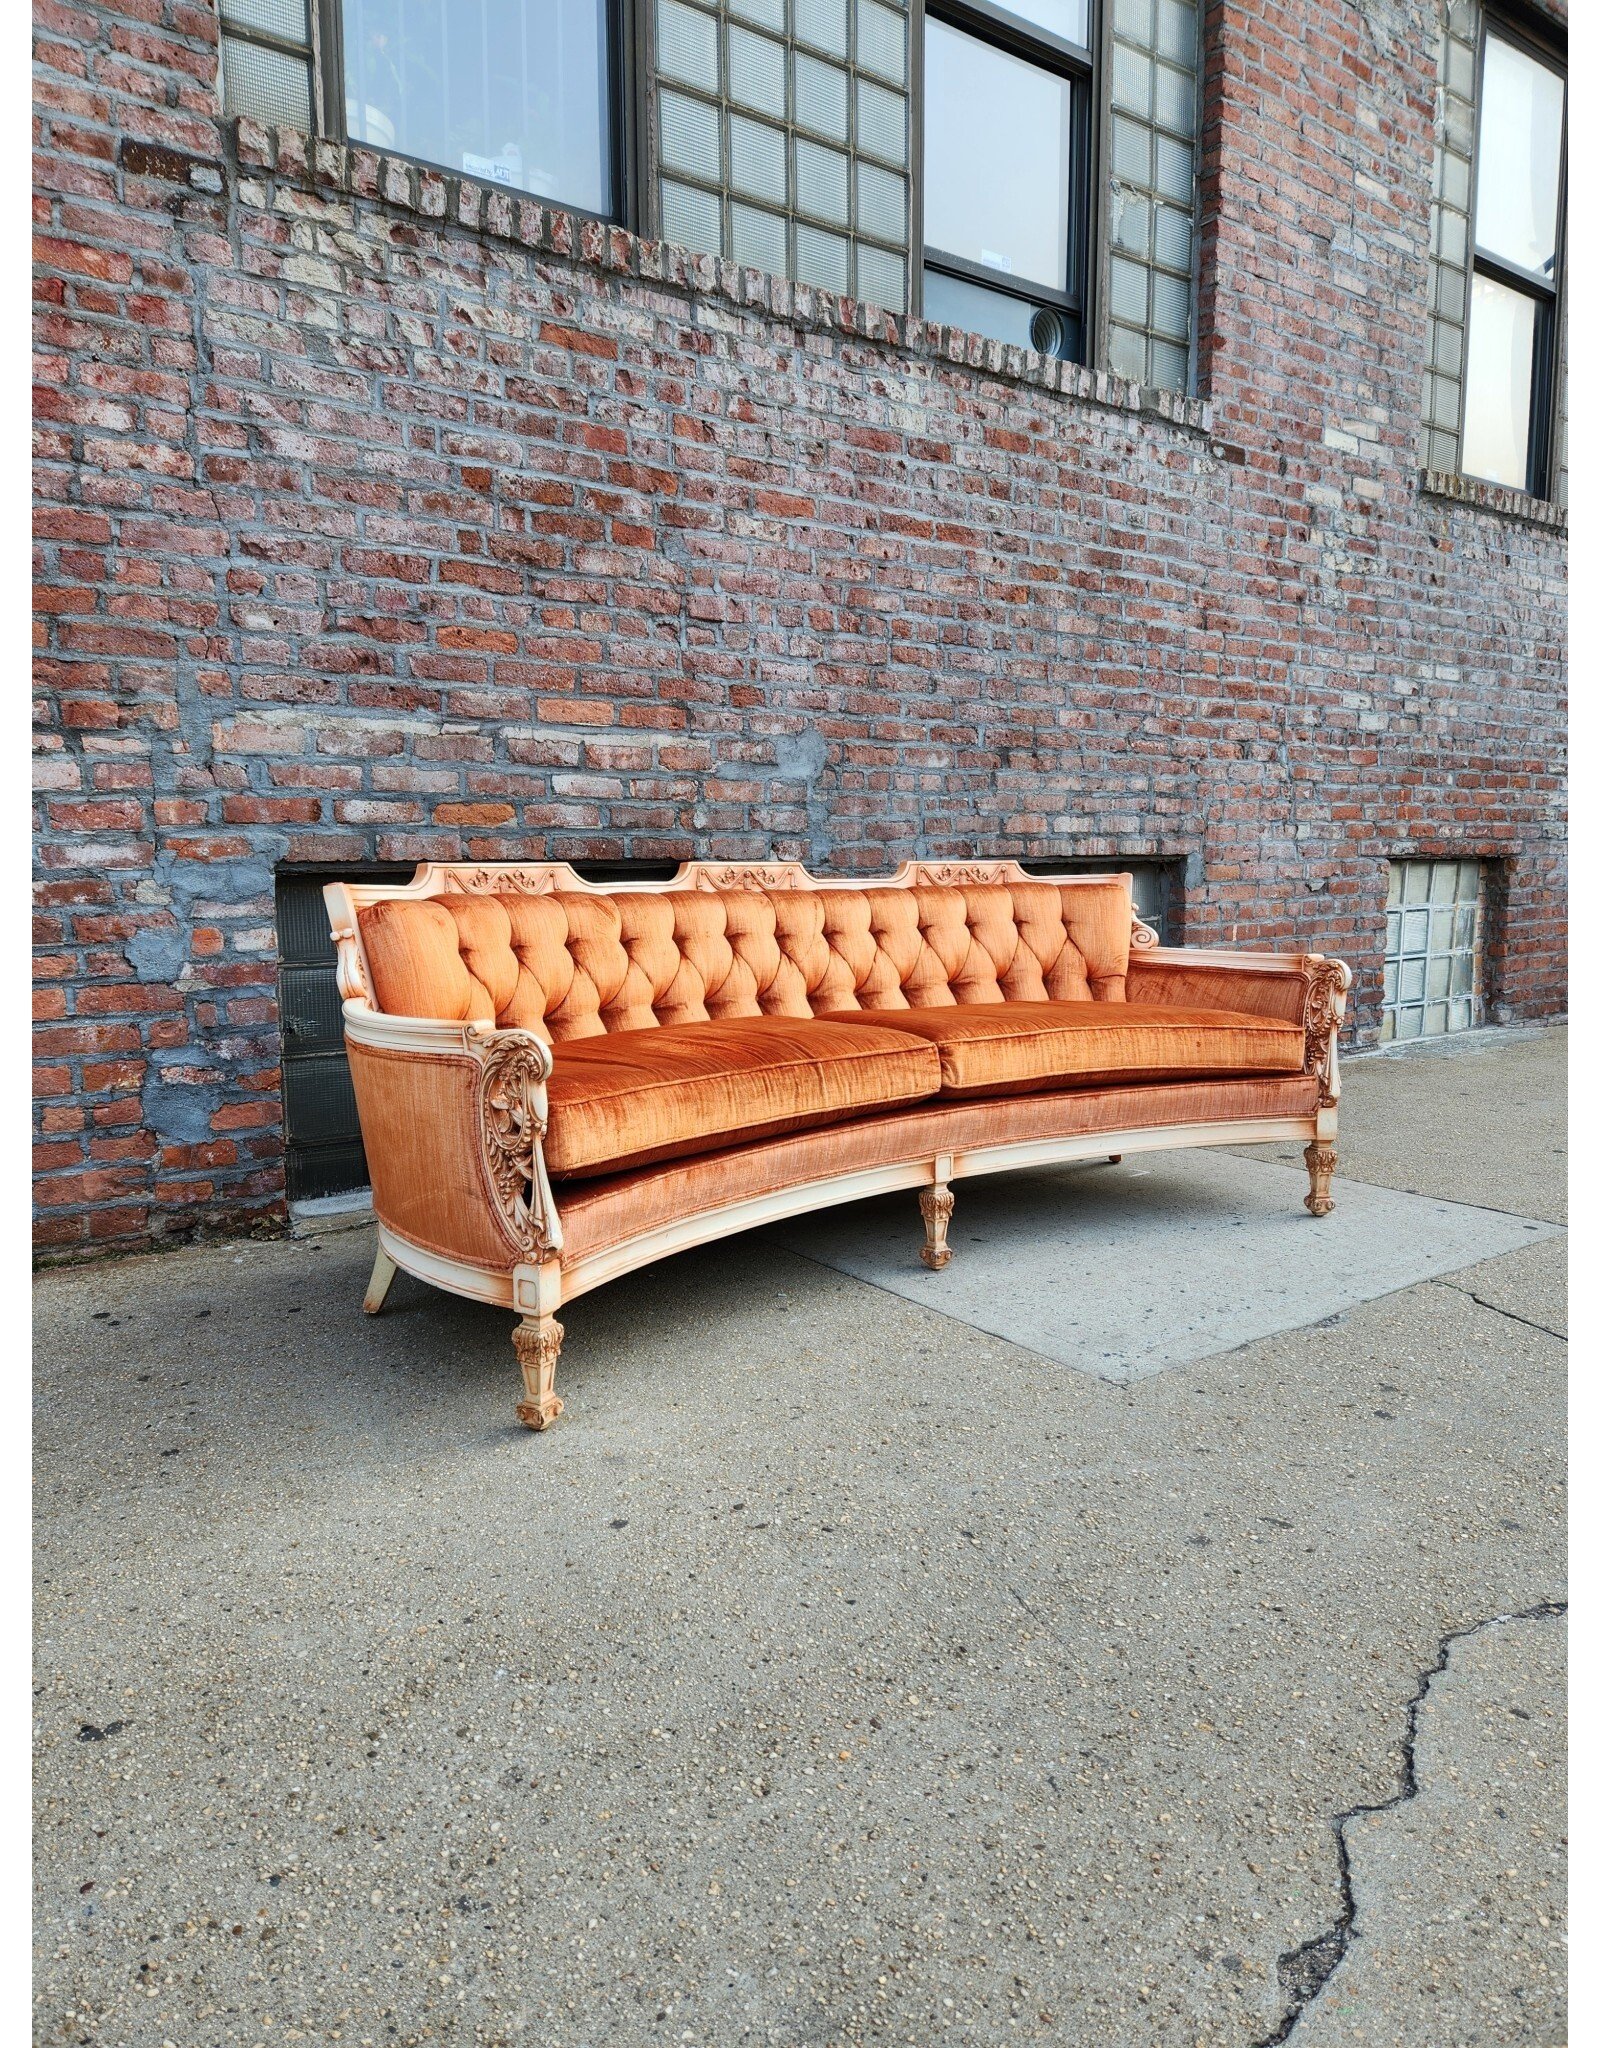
{"points": [[579, 586]]}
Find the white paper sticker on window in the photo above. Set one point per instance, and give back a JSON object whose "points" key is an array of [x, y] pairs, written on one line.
{"points": [[505, 169]]}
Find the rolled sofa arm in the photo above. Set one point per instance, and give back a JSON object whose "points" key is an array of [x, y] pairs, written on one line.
{"points": [[453, 1117], [1307, 988]]}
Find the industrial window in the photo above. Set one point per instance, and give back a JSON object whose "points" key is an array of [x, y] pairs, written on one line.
{"points": [[1024, 171], [1006, 172], [515, 92], [1157, 887], [1493, 403], [1433, 950], [268, 66], [783, 138]]}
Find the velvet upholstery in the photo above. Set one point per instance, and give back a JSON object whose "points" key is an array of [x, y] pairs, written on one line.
{"points": [[610, 1209], [989, 1049], [420, 1125], [572, 966], [634, 1096], [560, 1084], [1167, 978]]}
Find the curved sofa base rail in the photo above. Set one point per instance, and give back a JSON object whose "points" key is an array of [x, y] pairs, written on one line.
{"points": [[537, 1291], [466, 1089], [925, 1170], [476, 1283]]}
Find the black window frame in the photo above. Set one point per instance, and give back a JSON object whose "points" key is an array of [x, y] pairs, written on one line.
{"points": [[1160, 875], [330, 1162], [1522, 32], [1079, 64], [325, 39]]}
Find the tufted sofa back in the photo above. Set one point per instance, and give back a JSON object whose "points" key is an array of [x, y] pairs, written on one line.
{"points": [[571, 965]]}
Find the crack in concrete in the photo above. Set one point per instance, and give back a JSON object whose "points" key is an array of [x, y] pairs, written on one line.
{"points": [[1303, 1972], [1510, 1314]]}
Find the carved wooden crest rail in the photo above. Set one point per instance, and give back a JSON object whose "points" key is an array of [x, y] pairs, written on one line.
{"points": [[458, 1115]]}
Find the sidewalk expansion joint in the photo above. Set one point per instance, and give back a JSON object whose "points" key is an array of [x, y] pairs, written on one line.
{"points": [[1303, 1972]]}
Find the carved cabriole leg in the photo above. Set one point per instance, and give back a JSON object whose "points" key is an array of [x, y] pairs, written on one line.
{"points": [[937, 1203], [1325, 999], [1320, 1159], [383, 1271], [538, 1342]]}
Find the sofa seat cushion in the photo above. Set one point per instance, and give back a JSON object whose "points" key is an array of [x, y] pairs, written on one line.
{"points": [[634, 1096], [1007, 1048]]}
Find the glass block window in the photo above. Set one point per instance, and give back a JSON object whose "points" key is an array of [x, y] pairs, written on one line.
{"points": [[266, 66], [1433, 949], [1155, 60], [1558, 487], [1450, 237], [783, 138], [1494, 396]]}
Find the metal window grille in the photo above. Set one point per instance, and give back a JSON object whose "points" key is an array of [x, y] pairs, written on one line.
{"points": [[1433, 952], [321, 1130]]}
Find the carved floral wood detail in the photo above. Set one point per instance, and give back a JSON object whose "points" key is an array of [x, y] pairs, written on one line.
{"points": [[541, 877], [969, 874], [533, 880], [1143, 935], [1320, 1162], [513, 1116], [1324, 1009], [538, 1346], [778, 874], [351, 973], [938, 1206]]}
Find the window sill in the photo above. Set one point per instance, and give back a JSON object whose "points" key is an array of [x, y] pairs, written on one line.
{"points": [[1510, 504], [444, 199]]}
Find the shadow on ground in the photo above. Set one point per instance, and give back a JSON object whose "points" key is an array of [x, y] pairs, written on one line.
{"points": [[834, 1672]]}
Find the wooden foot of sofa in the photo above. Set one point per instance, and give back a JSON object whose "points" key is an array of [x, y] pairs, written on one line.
{"points": [[937, 1205], [1113, 1159], [1320, 1162], [383, 1271], [538, 1342]]}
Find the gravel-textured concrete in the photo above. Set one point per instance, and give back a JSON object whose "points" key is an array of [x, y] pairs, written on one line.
{"points": [[1417, 1120], [832, 1673], [1460, 1889]]}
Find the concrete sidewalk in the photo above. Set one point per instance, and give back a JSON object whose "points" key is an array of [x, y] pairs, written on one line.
{"points": [[835, 1672]]}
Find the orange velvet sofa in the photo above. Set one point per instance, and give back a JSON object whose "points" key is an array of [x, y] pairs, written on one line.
{"points": [[560, 1081]]}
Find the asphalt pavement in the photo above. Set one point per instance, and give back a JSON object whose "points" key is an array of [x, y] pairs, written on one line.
{"points": [[838, 1669]]}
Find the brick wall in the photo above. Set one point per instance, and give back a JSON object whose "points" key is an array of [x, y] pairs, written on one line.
{"points": [[380, 517]]}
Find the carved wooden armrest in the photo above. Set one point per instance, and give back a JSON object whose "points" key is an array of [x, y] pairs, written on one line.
{"points": [[1303, 988], [1327, 985], [513, 1115]]}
